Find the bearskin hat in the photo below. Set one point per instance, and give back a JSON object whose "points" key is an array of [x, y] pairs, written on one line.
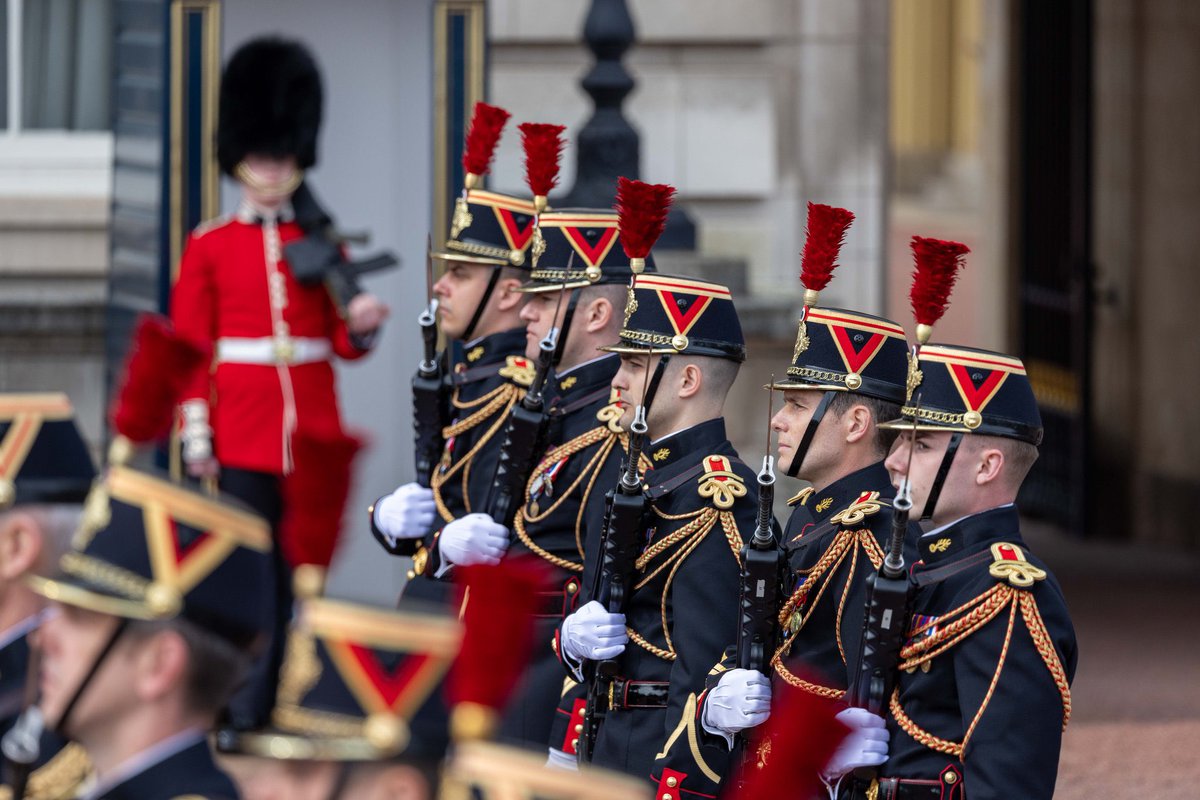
{"points": [[270, 103]]}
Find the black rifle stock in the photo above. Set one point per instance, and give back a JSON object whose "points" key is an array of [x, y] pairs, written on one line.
{"points": [[623, 524], [430, 401], [524, 434], [318, 258]]}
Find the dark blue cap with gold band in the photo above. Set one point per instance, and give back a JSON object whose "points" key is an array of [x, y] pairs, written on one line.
{"points": [[357, 684], [966, 390], [43, 458], [490, 228], [840, 351], [588, 241], [673, 315], [149, 549]]}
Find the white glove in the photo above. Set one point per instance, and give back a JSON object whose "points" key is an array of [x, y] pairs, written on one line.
{"points": [[195, 434], [560, 760], [473, 539], [406, 513], [593, 633], [741, 699], [865, 746]]}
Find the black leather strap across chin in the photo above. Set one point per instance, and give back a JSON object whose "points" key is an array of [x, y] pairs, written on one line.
{"points": [[469, 333], [811, 431], [60, 725], [561, 344], [935, 490]]}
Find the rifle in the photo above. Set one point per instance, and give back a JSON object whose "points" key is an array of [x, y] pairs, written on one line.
{"points": [[873, 674], [762, 562], [625, 510], [317, 258], [22, 743], [430, 410], [524, 434], [762, 581]]}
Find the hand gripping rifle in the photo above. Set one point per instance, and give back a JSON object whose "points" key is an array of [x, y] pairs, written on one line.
{"points": [[524, 434], [626, 508], [430, 402], [318, 258], [873, 674]]}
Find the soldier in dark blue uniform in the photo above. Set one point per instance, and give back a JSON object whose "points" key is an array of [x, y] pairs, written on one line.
{"points": [[357, 713], [847, 375], [564, 495], [45, 474], [157, 606], [702, 501], [485, 258], [983, 694]]}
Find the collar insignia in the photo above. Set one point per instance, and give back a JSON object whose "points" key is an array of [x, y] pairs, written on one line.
{"points": [[823, 505], [940, 545], [801, 497], [661, 454], [720, 482], [475, 353], [1010, 565], [567, 383], [866, 504]]}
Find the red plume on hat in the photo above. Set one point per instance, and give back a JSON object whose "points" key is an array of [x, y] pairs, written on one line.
{"points": [[786, 755], [642, 210], [487, 123], [937, 266], [826, 231], [314, 502], [498, 630], [543, 145], [158, 369]]}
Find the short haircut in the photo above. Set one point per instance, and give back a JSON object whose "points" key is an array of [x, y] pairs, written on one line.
{"points": [[429, 770], [1019, 456], [614, 293], [719, 373], [216, 666], [881, 411], [512, 273]]}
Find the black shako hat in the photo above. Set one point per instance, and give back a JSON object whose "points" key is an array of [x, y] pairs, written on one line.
{"points": [[669, 314], [968, 390], [43, 458]]}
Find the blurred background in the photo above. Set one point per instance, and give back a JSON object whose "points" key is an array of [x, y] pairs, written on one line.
{"points": [[1057, 138]]}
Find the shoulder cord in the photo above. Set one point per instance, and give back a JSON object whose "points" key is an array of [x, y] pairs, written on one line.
{"points": [[965, 620], [501, 399]]}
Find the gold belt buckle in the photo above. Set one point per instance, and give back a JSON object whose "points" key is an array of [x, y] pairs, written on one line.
{"points": [[285, 349]]}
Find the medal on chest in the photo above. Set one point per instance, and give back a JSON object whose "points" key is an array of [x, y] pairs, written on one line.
{"points": [[543, 486]]}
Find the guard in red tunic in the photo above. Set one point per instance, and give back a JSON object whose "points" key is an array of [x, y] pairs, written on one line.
{"points": [[272, 335]]}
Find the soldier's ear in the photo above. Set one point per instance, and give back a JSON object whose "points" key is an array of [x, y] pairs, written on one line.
{"points": [[691, 380], [20, 545], [856, 423], [599, 314], [507, 296], [162, 661], [989, 465]]}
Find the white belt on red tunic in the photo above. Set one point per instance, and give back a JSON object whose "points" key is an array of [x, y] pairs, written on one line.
{"points": [[273, 350]]}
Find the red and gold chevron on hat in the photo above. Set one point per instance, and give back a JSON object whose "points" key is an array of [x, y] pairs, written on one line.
{"points": [[43, 458], [672, 314], [487, 227], [355, 685]]}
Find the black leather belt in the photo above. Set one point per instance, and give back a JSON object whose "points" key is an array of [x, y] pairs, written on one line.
{"points": [[558, 604], [947, 787], [638, 694]]}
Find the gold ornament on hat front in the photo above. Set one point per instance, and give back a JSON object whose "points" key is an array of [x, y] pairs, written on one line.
{"points": [[462, 218], [972, 419], [915, 376], [631, 306]]}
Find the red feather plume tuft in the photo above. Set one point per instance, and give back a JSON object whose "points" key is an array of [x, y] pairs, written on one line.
{"points": [[487, 123], [543, 147], [827, 228], [314, 498], [794, 745], [498, 629], [937, 266], [642, 214], [159, 367]]}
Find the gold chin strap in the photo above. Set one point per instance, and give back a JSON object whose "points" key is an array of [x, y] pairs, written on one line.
{"points": [[281, 189]]}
